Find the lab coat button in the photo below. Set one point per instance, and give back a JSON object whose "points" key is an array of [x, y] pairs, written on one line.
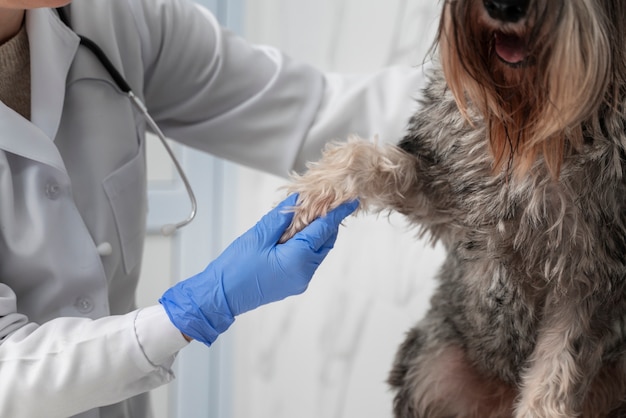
{"points": [[104, 249], [52, 191], [84, 304]]}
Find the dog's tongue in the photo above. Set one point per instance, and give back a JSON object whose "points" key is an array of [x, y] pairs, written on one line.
{"points": [[510, 48]]}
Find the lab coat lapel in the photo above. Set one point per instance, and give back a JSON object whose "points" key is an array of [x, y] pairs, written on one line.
{"points": [[52, 49], [19, 136]]}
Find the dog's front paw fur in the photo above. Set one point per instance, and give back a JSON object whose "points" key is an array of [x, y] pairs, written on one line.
{"points": [[327, 184], [377, 175]]}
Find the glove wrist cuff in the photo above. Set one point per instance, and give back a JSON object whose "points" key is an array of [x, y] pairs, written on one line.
{"points": [[203, 322]]}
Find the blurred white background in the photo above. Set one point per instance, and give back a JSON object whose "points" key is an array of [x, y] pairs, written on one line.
{"points": [[326, 353]]}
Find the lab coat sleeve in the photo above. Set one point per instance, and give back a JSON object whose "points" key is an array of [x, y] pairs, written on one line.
{"points": [[375, 106], [254, 105], [134, 353]]}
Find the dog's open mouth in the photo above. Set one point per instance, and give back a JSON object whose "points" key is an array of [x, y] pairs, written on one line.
{"points": [[511, 49]]}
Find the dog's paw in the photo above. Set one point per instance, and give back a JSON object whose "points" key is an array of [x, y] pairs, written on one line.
{"points": [[309, 207], [315, 199], [328, 183], [378, 176]]}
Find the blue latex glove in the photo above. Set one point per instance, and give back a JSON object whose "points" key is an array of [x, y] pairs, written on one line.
{"points": [[254, 270]]}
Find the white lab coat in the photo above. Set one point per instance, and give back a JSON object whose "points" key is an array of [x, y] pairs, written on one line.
{"points": [[72, 180]]}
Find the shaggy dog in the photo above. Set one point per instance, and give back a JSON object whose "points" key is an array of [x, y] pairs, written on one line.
{"points": [[516, 163]]}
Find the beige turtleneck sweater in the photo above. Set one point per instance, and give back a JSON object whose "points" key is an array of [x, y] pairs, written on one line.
{"points": [[15, 73]]}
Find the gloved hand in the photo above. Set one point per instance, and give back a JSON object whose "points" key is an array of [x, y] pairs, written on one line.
{"points": [[254, 270]]}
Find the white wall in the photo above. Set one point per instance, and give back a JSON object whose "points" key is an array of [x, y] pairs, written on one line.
{"points": [[326, 353]]}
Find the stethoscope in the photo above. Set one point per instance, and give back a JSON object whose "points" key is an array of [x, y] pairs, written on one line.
{"points": [[168, 229]]}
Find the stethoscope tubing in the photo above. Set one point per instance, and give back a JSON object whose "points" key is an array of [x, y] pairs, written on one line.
{"points": [[121, 83]]}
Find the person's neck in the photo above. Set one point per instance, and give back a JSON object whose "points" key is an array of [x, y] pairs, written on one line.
{"points": [[10, 23]]}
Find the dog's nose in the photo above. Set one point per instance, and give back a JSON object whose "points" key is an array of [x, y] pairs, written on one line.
{"points": [[509, 11]]}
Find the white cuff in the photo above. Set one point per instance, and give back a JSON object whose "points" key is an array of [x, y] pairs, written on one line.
{"points": [[157, 336]]}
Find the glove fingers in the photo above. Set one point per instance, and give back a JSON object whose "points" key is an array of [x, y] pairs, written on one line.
{"points": [[322, 232], [325, 248], [271, 227]]}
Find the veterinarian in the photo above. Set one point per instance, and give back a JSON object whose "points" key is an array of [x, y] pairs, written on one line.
{"points": [[73, 188]]}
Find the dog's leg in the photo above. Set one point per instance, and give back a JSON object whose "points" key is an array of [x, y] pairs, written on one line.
{"points": [[566, 359], [404, 403], [607, 394], [435, 379], [378, 175]]}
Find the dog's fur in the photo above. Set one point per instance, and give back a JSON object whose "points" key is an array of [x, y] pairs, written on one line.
{"points": [[516, 163]]}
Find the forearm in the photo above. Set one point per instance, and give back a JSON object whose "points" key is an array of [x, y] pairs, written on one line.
{"points": [[71, 365]]}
